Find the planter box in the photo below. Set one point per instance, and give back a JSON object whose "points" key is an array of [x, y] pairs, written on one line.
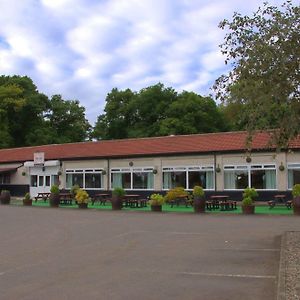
{"points": [[248, 209], [156, 208]]}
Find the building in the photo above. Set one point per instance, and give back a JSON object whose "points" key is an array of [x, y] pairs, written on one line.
{"points": [[219, 162]]}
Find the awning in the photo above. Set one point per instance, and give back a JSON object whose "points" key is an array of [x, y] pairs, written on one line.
{"points": [[7, 170]]}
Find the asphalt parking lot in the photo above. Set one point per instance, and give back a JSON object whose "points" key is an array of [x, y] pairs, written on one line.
{"points": [[75, 254]]}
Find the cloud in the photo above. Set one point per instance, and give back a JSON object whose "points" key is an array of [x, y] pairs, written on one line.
{"points": [[83, 48]]}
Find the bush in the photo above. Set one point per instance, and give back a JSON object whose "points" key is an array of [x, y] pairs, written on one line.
{"points": [[247, 201], [198, 191], [82, 196], [296, 190], [156, 199], [118, 191], [54, 189], [27, 197], [250, 192], [175, 193], [74, 189]]}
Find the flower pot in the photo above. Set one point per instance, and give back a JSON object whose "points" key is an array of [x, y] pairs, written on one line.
{"points": [[5, 197], [116, 203], [54, 200], [156, 208], [296, 206], [27, 202], [83, 205], [199, 205], [248, 209]]}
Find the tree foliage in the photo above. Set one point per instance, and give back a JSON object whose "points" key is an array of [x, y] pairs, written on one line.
{"points": [[28, 117], [264, 53], [157, 110]]}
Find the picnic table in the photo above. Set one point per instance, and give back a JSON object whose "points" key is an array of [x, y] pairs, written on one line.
{"points": [[65, 198], [42, 196], [280, 200], [134, 200], [181, 200], [220, 201], [101, 197]]}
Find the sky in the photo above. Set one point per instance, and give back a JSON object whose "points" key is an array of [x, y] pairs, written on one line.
{"points": [[82, 49]]}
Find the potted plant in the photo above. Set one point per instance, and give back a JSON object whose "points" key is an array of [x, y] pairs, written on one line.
{"points": [[5, 197], [117, 198], [248, 206], [199, 199], [27, 201], [82, 198], [296, 199], [156, 201], [54, 196]]}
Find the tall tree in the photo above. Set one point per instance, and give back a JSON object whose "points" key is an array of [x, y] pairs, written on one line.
{"points": [[264, 53]]}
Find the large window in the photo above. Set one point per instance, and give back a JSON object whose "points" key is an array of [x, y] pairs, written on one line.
{"points": [[133, 178], [4, 178], [293, 175], [87, 179], [188, 177], [262, 177]]}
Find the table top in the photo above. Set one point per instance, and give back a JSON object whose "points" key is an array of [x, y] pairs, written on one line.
{"points": [[219, 197], [102, 195], [132, 196], [279, 196]]}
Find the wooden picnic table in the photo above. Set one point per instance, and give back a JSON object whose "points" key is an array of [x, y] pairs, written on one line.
{"points": [[222, 202], [101, 197], [42, 196], [280, 200], [65, 198], [134, 200]]}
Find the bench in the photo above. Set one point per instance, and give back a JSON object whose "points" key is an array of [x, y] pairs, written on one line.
{"points": [[42, 196], [273, 203], [66, 198]]}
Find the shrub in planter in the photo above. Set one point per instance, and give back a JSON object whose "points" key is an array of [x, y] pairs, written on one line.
{"points": [[156, 201], [27, 201], [82, 198], [296, 199], [54, 196], [5, 197], [248, 206], [74, 190], [117, 198], [175, 194], [199, 199]]}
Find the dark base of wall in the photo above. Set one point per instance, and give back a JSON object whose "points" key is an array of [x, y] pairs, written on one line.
{"points": [[16, 190]]}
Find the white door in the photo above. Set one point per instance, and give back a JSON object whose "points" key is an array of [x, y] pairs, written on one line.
{"points": [[41, 179]]}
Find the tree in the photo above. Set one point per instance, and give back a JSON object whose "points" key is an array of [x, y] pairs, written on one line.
{"points": [[191, 113], [264, 53], [66, 121]]}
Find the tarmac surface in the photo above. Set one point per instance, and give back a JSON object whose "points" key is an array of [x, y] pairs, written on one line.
{"points": [[49, 253]]}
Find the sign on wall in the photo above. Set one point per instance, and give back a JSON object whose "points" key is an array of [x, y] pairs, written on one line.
{"points": [[38, 158]]}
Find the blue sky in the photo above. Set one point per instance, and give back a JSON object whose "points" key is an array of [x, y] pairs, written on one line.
{"points": [[81, 49]]}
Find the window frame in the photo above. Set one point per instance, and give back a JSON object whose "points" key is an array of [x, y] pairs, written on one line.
{"points": [[84, 171]]}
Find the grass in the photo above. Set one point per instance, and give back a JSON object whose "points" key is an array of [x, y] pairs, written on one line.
{"points": [[259, 209]]}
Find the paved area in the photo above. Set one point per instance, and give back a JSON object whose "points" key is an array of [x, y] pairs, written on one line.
{"points": [[73, 254]]}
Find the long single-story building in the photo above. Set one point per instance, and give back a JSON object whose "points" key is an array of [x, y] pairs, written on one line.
{"points": [[219, 162]]}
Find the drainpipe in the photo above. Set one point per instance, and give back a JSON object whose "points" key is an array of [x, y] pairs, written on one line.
{"points": [[215, 166], [108, 175]]}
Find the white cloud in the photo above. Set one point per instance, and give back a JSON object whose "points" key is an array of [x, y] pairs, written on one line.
{"points": [[83, 48]]}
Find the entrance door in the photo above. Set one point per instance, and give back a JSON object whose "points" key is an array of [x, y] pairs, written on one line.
{"points": [[41, 179]]}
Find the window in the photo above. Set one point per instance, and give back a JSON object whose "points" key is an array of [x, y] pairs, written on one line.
{"points": [[188, 177], [133, 178], [33, 180], [87, 179], [261, 177], [4, 178], [293, 175]]}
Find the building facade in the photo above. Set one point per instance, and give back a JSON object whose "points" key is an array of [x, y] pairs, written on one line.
{"points": [[218, 162]]}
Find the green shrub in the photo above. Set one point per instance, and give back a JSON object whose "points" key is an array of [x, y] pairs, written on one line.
{"points": [[156, 199], [27, 196], [54, 189], [250, 192], [118, 191], [247, 201], [296, 190], [198, 191], [74, 189]]}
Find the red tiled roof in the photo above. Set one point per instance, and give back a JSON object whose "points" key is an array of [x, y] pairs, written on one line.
{"points": [[197, 143]]}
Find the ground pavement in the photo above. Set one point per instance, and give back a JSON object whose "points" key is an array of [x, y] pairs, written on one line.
{"points": [[90, 254]]}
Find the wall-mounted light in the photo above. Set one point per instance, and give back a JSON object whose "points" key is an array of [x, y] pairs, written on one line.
{"points": [[248, 159], [43, 169], [59, 173], [154, 171], [23, 173], [130, 163], [281, 167], [218, 169], [103, 172]]}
